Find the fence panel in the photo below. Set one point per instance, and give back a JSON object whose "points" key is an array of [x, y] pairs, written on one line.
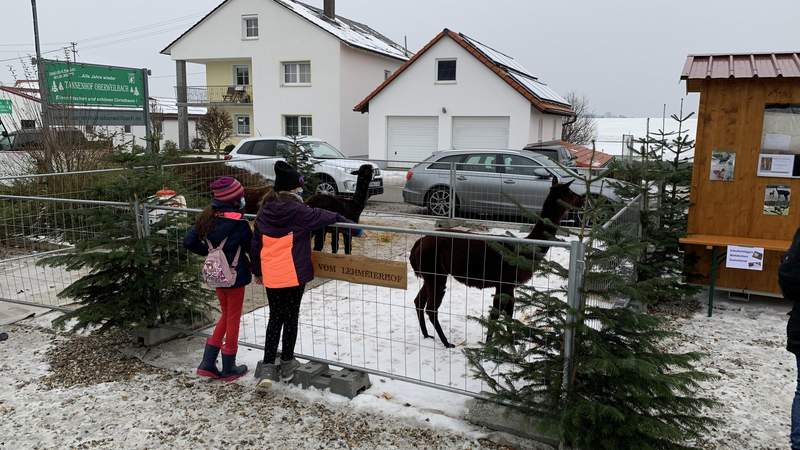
{"points": [[373, 328]]}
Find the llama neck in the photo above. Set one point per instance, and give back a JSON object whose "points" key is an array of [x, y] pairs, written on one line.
{"points": [[362, 189], [546, 229]]}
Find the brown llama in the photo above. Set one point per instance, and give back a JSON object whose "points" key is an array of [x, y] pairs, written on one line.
{"points": [[476, 264], [350, 207]]}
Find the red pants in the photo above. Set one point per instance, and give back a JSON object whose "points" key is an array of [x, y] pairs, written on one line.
{"points": [[230, 301]]}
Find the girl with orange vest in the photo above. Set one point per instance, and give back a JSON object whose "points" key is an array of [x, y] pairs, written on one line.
{"points": [[281, 255]]}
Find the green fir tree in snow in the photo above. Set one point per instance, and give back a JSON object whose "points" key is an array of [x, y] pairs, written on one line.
{"points": [[626, 387], [131, 277]]}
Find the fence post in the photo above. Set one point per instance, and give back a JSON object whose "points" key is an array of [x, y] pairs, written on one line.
{"points": [[574, 303], [452, 214]]}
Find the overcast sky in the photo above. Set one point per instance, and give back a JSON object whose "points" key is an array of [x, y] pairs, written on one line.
{"points": [[625, 56]]}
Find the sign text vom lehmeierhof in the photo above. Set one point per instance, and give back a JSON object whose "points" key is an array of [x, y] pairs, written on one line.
{"points": [[78, 84]]}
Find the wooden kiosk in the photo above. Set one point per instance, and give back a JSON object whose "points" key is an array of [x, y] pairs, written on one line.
{"points": [[746, 175]]}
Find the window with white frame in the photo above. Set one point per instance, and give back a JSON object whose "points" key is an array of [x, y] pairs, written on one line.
{"points": [[242, 125], [446, 70], [296, 73], [249, 27], [297, 126], [241, 75]]}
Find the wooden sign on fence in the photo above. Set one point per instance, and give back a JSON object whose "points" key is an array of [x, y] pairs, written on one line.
{"points": [[361, 270]]}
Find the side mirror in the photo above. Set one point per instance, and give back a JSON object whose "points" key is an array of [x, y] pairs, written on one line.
{"points": [[541, 173]]}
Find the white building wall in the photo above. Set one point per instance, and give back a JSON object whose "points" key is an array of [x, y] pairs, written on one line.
{"points": [[544, 127], [361, 73], [477, 92], [283, 36]]}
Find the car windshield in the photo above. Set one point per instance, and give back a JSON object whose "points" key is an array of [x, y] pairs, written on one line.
{"points": [[323, 150]]}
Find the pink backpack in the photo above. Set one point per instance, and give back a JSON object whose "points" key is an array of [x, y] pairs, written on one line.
{"points": [[217, 273]]}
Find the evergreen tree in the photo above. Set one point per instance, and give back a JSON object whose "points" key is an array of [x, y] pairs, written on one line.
{"points": [[660, 170], [138, 274], [624, 387], [301, 157]]}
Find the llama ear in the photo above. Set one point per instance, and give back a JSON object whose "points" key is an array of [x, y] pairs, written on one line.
{"points": [[555, 181], [570, 182]]}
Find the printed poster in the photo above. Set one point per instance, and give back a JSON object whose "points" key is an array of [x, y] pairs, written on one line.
{"points": [[780, 142], [722, 165], [776, 200], [747, 258]]}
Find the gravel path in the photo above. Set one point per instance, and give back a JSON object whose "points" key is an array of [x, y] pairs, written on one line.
{"points": [[78, 392]]}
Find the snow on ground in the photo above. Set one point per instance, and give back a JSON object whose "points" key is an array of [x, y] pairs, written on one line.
{"points": [[21, 279], [744, 343], [171, 409]]}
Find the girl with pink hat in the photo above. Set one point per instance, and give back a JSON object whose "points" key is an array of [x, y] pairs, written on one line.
{"points": [[222, 224]]}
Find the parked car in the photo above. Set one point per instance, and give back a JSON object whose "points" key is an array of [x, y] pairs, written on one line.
{"points": [[31, 139], [486, 181], [337, 173], [554, 150]]}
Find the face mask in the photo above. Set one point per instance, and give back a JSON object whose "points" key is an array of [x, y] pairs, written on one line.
{"points": [[242, 203]]}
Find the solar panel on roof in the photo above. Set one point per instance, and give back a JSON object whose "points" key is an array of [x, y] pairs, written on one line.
{"points": [[499, 57], [539, 89]]}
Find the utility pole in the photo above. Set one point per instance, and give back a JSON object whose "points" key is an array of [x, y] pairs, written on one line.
{"points": [[42, 91], [74, 52]]}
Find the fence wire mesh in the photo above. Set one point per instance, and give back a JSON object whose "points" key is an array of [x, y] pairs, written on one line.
{"points": [[369, 327]]}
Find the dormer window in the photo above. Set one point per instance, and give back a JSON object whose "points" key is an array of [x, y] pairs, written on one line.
{"points": [[250, 27], [446, 70]]}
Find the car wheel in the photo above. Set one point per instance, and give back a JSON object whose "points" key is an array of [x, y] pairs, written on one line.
{"points": [[327, 186], [438, 202]]}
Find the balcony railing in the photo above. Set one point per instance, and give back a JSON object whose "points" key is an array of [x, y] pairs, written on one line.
{"points": [[204, 95]]}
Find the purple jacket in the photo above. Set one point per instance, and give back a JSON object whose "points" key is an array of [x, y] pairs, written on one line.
{"points": [[281, 246]]}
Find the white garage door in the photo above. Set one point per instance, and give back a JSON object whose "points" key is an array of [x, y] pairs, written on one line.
{"points": [[412, 138], [480, 132]]}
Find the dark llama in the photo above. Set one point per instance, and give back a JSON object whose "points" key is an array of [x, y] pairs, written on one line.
{"points": [[346, 206], [476, 264]]}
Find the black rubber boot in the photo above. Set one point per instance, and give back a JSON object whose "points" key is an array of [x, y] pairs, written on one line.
{"points": [[230, 371], [208, 367]]}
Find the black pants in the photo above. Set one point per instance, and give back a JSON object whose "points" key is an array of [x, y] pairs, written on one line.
{"points": [[284, 312]]}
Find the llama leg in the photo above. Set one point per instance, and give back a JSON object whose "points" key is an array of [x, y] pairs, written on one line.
{"points": [[335, 241], [348, 241], [419, 303], [433, 309], [494, 314], [319, 239]]}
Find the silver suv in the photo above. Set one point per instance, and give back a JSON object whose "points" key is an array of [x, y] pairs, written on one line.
{"points": [[488, 182], [337, 174]]}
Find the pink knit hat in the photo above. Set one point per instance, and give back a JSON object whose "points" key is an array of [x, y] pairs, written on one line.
{"points": [[227, 189]]}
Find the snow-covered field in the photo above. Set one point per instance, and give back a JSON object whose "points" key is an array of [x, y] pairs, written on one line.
{"points": [[610, 130]]}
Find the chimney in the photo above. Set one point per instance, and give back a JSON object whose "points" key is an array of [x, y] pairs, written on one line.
{"points": [[330, 9]]}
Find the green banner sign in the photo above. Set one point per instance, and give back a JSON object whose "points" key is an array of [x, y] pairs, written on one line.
{"points": [[93, 85], [5, 106]]}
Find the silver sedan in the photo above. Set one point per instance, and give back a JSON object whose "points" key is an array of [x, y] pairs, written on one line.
{"points": [[489, 182]]}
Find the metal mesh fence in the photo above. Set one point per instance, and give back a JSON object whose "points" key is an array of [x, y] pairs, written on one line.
{"points": [[373, 328]]}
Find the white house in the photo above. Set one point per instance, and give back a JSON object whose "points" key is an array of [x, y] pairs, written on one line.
{"points": [[459, 93], [282, 67], [26, 112]]}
